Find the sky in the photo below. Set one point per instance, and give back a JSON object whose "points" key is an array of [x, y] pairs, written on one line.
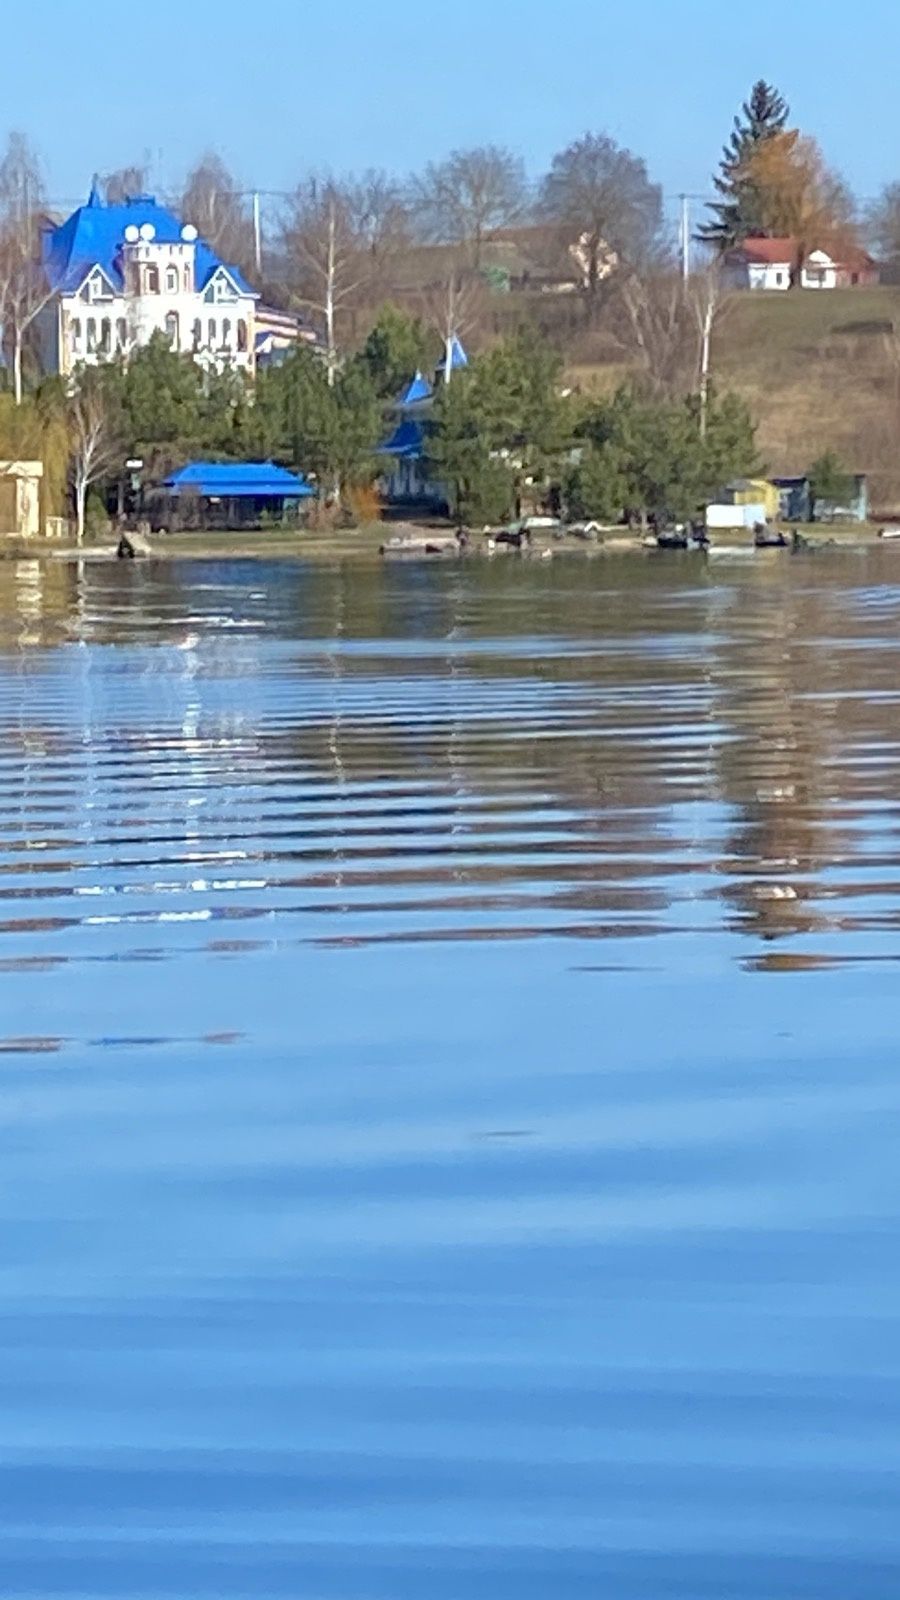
{"points": [[350, 84]]}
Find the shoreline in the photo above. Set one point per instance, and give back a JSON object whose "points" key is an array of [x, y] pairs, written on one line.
{"points": [[367, 543]]}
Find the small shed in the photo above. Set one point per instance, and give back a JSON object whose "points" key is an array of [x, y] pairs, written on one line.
{"points": [[235, 494], [796, 501], [752, 492]]}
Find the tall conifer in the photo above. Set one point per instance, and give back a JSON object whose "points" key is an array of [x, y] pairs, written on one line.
{"points": [[738, 215]]}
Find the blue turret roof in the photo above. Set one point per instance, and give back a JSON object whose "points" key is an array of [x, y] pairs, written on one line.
{"points": [[93, 236], [458, 357], [417, 389], [407, 440]]}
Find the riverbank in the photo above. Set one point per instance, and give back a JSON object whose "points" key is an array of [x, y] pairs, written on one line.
{"points": [[369, 542]]}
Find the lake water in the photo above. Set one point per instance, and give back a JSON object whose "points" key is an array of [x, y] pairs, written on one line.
{"points": [[449, 1080]]}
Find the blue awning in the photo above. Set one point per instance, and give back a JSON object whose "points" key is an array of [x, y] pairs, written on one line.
{"points": [[230, 480]]}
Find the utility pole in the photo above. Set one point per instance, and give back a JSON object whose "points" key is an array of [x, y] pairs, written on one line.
{"points": [[685, 236], [257, 233]]}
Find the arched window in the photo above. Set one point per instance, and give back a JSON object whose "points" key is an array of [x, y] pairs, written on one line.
{"points": [[212, 333], [198, 334], [91, 335], [122, 334], [172, 329], [171, 280], [75, 333], [226, 334], [153, 280], [242, 334], [187, 278], [106, 336]]}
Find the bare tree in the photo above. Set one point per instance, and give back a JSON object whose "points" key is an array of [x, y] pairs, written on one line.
{"points": [[24, 288], [381, 214], [659, 330], [93, 442], [327, 255], [883, 223], [213, 202], [602, 202], [125, 182], [452, 307], [708, 298], [466, 198]]}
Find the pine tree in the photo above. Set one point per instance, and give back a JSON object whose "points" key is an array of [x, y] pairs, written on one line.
{"points": [[738, 215]]}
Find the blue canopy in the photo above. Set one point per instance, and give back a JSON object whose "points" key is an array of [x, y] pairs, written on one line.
{"points": [[229, 480], [407, 440]]}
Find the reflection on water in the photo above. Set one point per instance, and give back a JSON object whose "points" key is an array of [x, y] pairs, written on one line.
{"points": [[448, 1081]]}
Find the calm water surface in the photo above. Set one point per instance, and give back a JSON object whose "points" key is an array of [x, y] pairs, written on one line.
{"points": [[449, 1080]]}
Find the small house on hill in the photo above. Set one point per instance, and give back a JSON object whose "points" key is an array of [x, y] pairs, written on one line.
{"points": [[770, 263]]}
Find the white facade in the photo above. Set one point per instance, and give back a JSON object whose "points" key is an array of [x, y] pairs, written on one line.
{"points": [[159, 296], [819, 272], [121, 278]]}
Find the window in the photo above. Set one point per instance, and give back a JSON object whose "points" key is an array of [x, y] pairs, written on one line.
{"points": [[122, 334], [171, 280], [212, 333], [226, 334], [106, 336], [75, 333], [152, 282], [187, 278], [198, 334], [91, 335], [172, 329], [242, 334]]}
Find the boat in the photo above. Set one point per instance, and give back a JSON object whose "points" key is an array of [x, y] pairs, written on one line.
{"points": [[409, 544]]}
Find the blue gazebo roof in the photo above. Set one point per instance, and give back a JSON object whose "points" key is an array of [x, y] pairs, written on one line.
{"points": [[229, 480]]}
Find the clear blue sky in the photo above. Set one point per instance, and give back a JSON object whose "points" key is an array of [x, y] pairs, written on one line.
{"points": [[288, 86]]}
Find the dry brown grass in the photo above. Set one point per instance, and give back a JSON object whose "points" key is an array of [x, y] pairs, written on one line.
{"points": [[820, 371]]}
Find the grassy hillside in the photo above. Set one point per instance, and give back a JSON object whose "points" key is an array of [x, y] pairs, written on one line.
{"points": [[820, 371]]}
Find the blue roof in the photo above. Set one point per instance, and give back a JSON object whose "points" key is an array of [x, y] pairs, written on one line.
{"points": [[458, 358], [407, 439], [94, 234], [417, 389], [238, 479]]}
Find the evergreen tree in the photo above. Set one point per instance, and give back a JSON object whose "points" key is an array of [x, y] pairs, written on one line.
{"points": [[326, 430], [738, 215], [398, 346]]}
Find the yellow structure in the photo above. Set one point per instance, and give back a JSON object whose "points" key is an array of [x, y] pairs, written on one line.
{"points": [[753, 492], [20, 499]]}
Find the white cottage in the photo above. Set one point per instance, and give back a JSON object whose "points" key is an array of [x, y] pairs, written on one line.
{"points": [[120, 273], [770, 263]]}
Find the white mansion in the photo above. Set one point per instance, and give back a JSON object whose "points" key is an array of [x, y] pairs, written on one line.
{"points": [[120, 273]]}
